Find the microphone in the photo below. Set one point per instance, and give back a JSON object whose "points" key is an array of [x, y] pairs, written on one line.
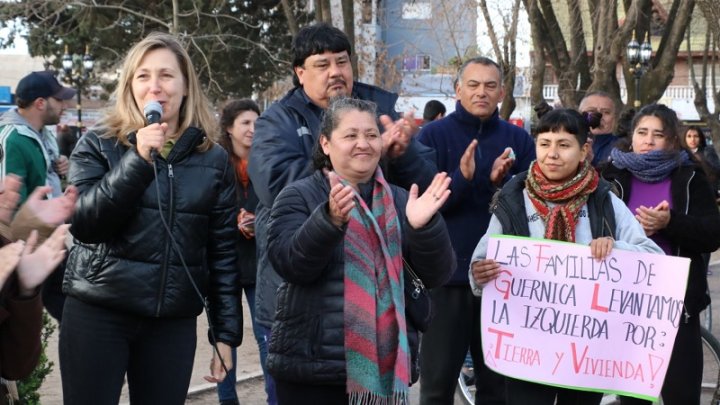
{"points": [[153, 115], [153, 112]]}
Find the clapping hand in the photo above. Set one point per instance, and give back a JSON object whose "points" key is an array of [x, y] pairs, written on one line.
{"points": [[54, 211], [9, 258], [341, 200], [397, 135], [36, 264], [9, 197], [419, 210], [467, 161], [502, 166], [653, 219]]}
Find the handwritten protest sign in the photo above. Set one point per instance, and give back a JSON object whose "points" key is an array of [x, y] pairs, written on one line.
{"points": [[557, 316]]}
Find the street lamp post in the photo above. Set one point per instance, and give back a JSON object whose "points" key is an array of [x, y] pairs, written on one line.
{"points": [[77, 70], [638, 57]]}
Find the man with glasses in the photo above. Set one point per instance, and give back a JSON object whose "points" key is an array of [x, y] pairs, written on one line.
{"points": [[31, 151], [603, 139]]}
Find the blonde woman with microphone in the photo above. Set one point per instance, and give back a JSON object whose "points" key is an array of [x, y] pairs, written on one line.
{"points": [[154, 231]]}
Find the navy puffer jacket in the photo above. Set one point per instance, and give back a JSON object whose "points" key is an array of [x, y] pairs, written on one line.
{"points": [[307, 341]]}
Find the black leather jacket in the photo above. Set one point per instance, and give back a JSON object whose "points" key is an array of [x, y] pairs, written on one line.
{"points": [[123, 258], [307, 341]]}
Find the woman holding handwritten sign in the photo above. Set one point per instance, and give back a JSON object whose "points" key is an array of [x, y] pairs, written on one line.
{"points": [[675, 205], [562, 198]]}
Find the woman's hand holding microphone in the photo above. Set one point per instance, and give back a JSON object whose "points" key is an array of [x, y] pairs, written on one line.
{"points": [[150, 138]]}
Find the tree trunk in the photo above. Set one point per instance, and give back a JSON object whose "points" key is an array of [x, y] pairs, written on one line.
{"points": [[322, 11], [289, 11], [349, 23], [538, 71], [654, 82]]}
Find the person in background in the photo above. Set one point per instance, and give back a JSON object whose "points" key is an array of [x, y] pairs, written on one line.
{"points": [[480, 152], [287, 132], [31, 152], [67, 137], [602, 138], [33, 243], [696, 142], [673, 201], [339, 239], [553, 200], [237, 123], [624, 122], [434, 110], [155, 229]]}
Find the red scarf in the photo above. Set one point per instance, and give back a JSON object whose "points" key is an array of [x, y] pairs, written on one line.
{"points": [[560, 220], [241, 172]]}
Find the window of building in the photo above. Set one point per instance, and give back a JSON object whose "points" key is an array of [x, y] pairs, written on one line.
{"points": [[416, 10], [416, 62]]}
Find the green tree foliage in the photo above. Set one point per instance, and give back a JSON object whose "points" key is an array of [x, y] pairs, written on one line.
{"points": [[238, 46]]}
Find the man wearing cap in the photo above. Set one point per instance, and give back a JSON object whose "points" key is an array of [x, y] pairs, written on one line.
{"points": [[31, 152]]}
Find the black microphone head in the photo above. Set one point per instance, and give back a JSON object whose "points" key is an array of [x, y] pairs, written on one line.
{"points": [[153, 112]]}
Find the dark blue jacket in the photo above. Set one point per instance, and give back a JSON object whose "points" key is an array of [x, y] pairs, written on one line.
{"points": [[467, 212], [602, 145], [285, 135], [308, 340]]}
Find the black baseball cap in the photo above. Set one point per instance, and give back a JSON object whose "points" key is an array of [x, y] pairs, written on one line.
{"points": [[42, 84]]}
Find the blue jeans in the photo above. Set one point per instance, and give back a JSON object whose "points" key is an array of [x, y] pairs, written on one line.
{"points": [[226, 389]]}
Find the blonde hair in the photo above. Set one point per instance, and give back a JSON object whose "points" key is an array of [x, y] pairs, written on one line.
{"points": [[125, 116]]}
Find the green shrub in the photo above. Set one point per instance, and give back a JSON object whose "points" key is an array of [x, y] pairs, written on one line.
{"points": [[29, 388]]}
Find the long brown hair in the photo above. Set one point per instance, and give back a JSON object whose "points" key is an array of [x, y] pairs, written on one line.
{"points": [[125, 116], [232, 109]]}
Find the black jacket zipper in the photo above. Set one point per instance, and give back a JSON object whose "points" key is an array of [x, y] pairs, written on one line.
{"points": [[166, 264]]}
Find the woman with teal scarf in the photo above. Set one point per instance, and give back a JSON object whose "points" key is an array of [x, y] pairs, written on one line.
{"points": [[675, 205], [339, 239]]}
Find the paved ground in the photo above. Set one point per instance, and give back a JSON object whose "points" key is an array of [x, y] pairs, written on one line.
{"points": [[250, 386]]}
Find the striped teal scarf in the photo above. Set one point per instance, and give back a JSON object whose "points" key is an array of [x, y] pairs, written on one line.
{"points": [[376, 344]]}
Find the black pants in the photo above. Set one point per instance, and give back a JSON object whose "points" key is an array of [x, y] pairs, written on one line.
{"points": [[455, 328], [523, 392], [290, 393], [683, 380], [98, 346], [52, 295]]}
